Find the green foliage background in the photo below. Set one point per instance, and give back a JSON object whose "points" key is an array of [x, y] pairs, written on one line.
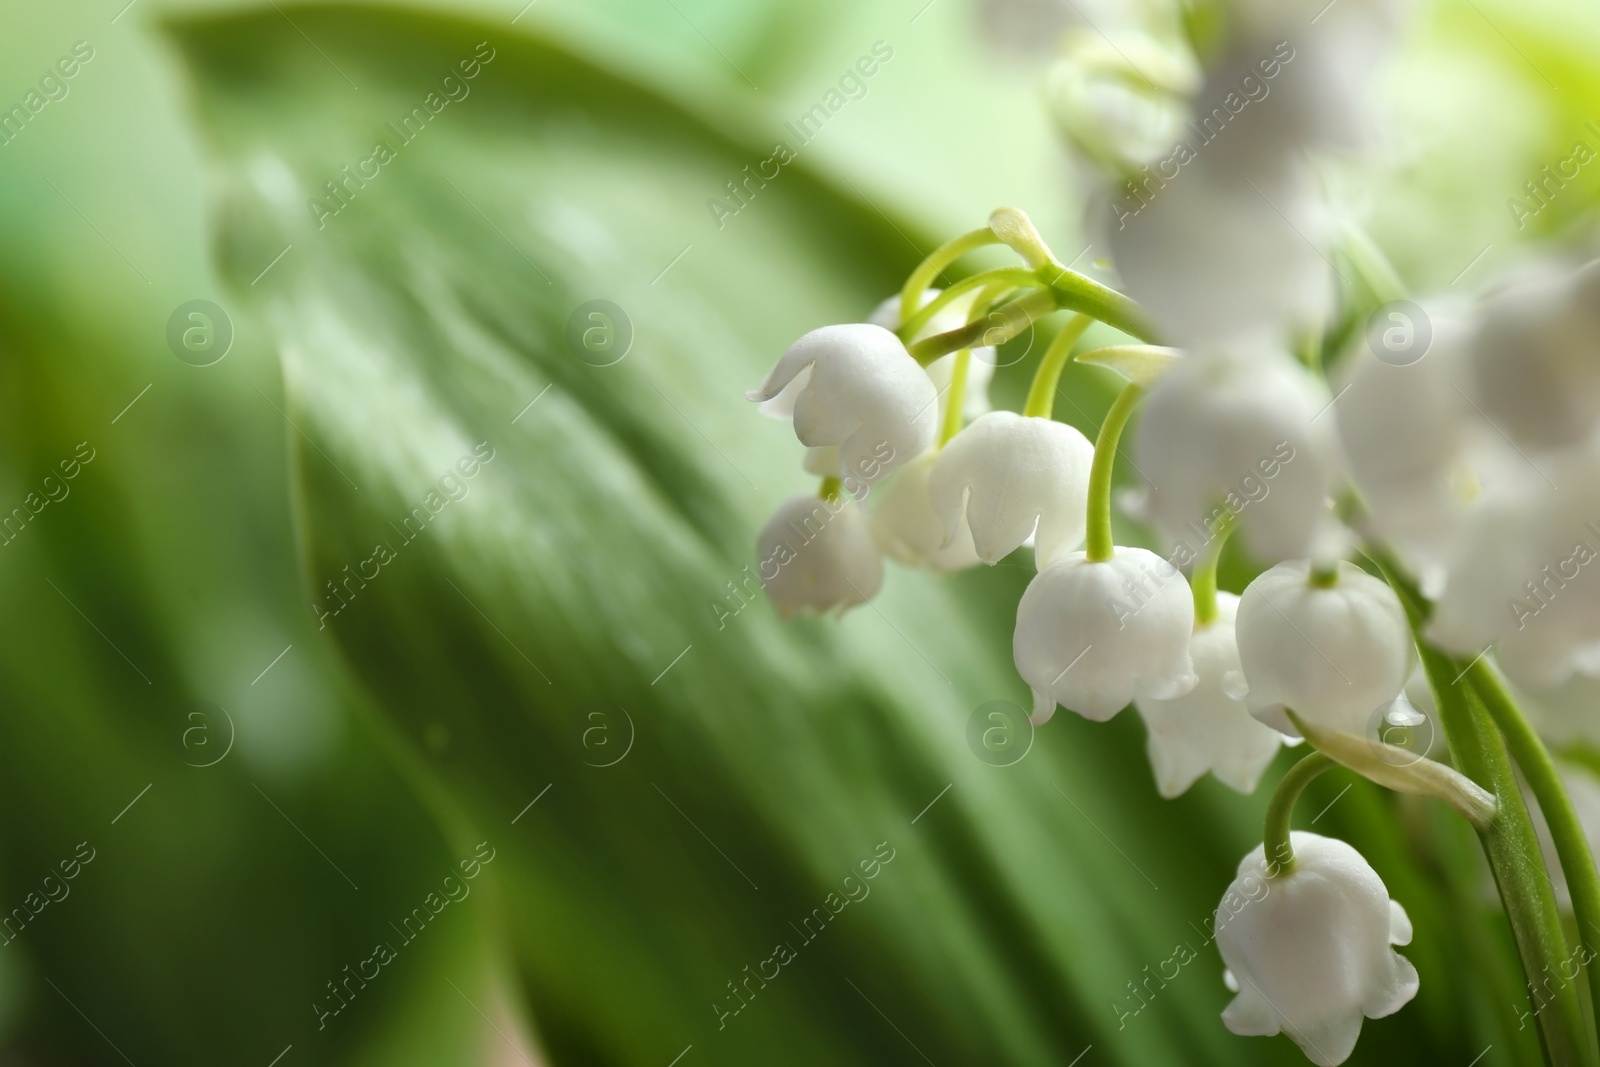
{"points": [[422, 719]]}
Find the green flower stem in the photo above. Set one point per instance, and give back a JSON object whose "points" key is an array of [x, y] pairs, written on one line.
{"points": [[831, 489], [1203, 581], [1014, 277], [1099, 546], [1275, 841], [957, 397], [1572, 846], [1075, 292], [1013, 318], [1042, 393], [942, 257], [1478, 751]]}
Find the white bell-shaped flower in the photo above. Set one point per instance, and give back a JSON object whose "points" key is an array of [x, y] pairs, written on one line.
{"points": [[980, 365], [1337, 655], [1310, 952], [1206, 729], [908, 529], [856, 386], [1537, 358], [1093, 636], [1241, 431], [1526, 576], [1008, 476], [1268, 276], [818, 554], [1412, 440]]}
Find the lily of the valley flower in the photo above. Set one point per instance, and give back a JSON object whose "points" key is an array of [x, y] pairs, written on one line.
{"points": [[1240, 430], [1009, 476], [817, 555], [1537, 358], [1206, 729], [1335, 652], [1527, 576], [908, 529], [1309, 952], [980, 365], [855, 386], [1092, 636]]}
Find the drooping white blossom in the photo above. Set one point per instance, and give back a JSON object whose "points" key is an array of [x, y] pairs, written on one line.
{"points": [[1009, 476], [1093, 636], [855, 386], [817, 555], [1310, 952], [1206, 729], [1526, 574], [1240, 432], [1413, 442], [908, 529], [1336, 656], [1536, 359]]}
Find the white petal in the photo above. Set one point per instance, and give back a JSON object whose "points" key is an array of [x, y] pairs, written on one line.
{"points": [[1095, 635], [1007, 476]]}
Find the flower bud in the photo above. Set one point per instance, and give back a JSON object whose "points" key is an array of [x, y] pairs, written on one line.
{"points": [[1335, 655], [855, 386], [820, 555], [1008, 476], [1092, 636], [1309, 951], [1206, 729]]}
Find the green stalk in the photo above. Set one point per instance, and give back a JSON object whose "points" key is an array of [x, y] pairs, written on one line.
{"points": [[1014, 318], [1099, 546], [1015, 277], [942, 257], [1509, 842], [1075, 292], [1042, 393], [1275, 841], [957, 397], [1572, 846], [1203, 580]]}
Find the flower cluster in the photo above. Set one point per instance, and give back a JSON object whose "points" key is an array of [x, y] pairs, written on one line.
{"points": [[1395, 471]]}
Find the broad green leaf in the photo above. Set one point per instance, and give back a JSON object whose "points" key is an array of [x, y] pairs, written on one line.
{"points": [[541, 569]]}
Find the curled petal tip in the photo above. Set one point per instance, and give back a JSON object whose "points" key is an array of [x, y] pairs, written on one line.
{"points": [[1044, 707]]}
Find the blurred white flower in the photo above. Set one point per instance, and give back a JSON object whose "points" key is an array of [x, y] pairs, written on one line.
{"points": [[1309, 951], [908, 529], [1568, 714], [816, 555], [1412, 440], [1336, 655], [1240, 432], [1206, 729], [1092, 636], [1216, 255], [855, 386], [1329, 55], [1526, 575], [1007, 476], [953, 316], [1537, 358]]}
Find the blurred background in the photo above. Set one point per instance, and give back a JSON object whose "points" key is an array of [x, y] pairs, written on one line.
{"points": [[380, 682]]}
